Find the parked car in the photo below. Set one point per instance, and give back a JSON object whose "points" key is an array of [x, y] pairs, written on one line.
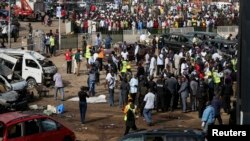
{"points": [[165, 135], [204, 35], [15, 80], [20, 126], [223, 45], [32, 66], [11, 99], [175, 41]]}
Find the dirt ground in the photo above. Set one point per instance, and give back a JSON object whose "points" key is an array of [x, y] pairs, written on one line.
{"points": [[103, 123]]}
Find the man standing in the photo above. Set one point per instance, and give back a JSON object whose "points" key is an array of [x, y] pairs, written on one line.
{"points": [[171, 84], [184, 91], [68, 58], [58, 85], [78, 61], [129, 117], [149, 100], [52, 45], [84, 45], [110, 82], [207, 117], [82, 94], [133, 83], [108, 41]]}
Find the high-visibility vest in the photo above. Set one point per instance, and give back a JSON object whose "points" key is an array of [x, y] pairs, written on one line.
{"points": [[216, 77], [88, 54], [194, 22], [234, 63], [208, 73], [128, 66], [124, 66], [127, 107], [52, 41]]}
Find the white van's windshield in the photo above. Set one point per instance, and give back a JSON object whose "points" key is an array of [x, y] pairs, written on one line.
{"points": [[46, 63]]}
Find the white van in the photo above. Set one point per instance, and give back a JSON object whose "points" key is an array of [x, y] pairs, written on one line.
{"points": [[32, 66]]}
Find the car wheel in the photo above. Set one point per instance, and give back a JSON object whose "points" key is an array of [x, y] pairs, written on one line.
{"points": [[31, 82], [67, 139]]}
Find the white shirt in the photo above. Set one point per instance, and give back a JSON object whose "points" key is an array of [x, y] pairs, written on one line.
{"points": [[111, 80], [133, 83], [147, 58], [136, 49], [152, 63], [184, 67], [149, 99], [160, 60], [124, 55]]}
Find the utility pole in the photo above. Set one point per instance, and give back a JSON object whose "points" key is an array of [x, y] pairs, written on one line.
{"points": [[9, 30], [59, 14], [243, 97]]}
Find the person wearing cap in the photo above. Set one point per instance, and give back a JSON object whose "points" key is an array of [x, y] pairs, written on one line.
{"points": [[129, 117], [82, 94]]}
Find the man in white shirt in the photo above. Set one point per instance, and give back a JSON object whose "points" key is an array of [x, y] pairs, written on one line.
{"points": [[124, 54], [147, 62], [133, 83], [149, 100], [160, 64], [136, 52], [152, 66], [111, 83], [57, 78]]}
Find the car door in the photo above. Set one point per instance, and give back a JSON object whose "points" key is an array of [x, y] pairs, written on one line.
{"points": [[173, 41], [32, 130], [32, 70], [51, 130], [15, 132], [8, 61]]}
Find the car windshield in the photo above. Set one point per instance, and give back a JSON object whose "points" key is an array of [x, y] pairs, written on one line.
{"points": [[1, 131], [46, 63]]}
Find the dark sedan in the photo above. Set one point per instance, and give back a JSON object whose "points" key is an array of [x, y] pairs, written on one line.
{"points": [[175, 41], [204, 35], [165, 135], [226, 46]]}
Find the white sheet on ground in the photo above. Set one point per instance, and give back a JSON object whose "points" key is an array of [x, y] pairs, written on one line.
{"points": [[98, 99]]}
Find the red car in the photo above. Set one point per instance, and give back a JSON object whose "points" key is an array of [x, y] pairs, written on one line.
{"points": [[18, 126]]}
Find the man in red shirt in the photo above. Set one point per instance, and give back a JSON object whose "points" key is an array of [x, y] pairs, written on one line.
{"points": [[68, 58]]}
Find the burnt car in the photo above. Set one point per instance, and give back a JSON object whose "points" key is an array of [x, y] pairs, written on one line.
{"points": [[13, 90], [175, 41], [204, 35], [166, 135], [223, 45]]}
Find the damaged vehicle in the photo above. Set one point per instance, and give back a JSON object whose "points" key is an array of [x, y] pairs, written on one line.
{"points": [[13, 91], [32, 66]]}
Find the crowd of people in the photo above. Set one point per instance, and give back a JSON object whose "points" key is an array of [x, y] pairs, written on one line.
{"points": [[154, 17], [198, 79]]}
